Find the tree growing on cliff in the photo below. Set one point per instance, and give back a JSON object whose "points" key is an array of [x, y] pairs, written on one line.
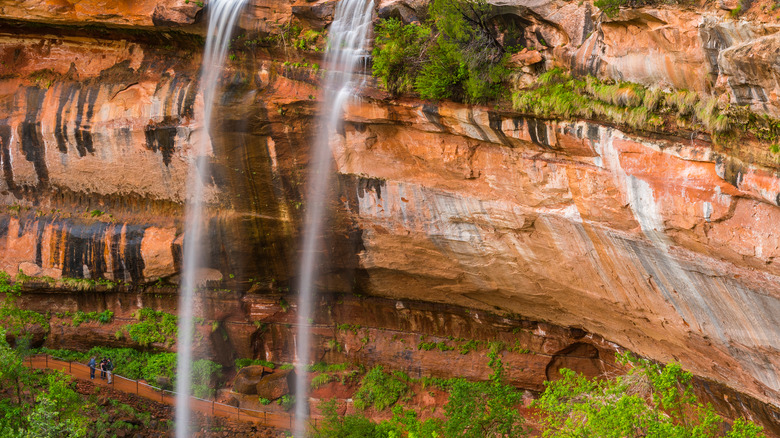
{"points": [[649, 401], [399, 53], [456, 54]]}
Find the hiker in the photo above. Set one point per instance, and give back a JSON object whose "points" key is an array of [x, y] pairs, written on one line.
{"points": [[103, 368], [109, 369], [92, 368]]}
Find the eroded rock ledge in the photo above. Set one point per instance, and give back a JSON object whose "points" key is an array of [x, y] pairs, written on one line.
{"points": [[664, 245]]}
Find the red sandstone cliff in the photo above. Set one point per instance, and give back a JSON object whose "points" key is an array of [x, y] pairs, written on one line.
{"points": [[662, 244]]}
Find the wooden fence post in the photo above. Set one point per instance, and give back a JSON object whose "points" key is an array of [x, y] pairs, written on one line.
{"points": [[212, 408]]}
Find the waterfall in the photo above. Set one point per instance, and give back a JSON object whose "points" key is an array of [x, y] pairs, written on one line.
{"points": [[222, 17], [346, 52]]}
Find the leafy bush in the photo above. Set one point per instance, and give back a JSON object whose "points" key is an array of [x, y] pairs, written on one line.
{"points": [[474, 410], [205, 375], [18, 322], [378, 389], [153, 327], [455, 55], [399, 53], [649, 401]]}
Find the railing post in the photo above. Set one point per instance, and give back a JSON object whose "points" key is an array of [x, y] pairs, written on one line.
{"points": [[212, 408], [162, 395], [136, 387], [47, 361]]}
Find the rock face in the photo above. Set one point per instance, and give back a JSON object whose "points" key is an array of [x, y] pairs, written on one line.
{"points": [[662, 245], [275, 385], [247, 379]]}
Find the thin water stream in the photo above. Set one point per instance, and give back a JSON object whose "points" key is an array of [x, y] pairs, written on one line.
{"points": [[348, 36], [222, 17]]}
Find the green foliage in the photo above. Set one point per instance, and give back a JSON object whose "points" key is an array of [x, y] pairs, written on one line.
{"points": [[103, 317], [85, 284], [18, 322], [350, 327], [320, 380], [558, 94], [736, 11], [379, 389], [153, 327], [467, 39], [483, 409], [286, 402], [157, 365], [241, 363], [455, 55], [441, 346], [474, 410], [649, 401], [610, 8], [48, 406], [322, 367], [399, 53], [205, 374], [349, 426]]}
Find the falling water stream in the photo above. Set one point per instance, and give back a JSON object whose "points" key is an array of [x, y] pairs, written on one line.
{"points": [[222, 17], [346, 52]]}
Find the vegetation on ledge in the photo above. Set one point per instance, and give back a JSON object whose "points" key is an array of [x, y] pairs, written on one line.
{"points": [[558, 94], [649, 401], [456, 54]]}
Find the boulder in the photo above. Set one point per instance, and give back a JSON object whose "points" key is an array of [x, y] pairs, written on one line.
{"points": [[247, 379], [526, 57], [276, 385]]}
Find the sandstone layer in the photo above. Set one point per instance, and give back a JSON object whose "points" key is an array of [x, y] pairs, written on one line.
{"points": [[661, 244]]}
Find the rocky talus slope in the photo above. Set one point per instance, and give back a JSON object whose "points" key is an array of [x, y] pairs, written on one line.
{"points": [[661, 243]]}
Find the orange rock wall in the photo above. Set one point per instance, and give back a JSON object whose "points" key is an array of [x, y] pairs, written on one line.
{"points": [[663, 245]]}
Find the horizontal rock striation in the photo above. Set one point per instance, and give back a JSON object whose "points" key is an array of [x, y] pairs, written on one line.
{"points": [[662, 244]]}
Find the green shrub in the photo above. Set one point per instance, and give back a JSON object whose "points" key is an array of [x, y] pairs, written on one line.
{"points": [[378, 389], [153, 327], [649, 401], [455, 55], [399, 53], [320, 380], [205, 375]]}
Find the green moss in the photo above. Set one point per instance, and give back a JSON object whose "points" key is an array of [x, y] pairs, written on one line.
{"points": [[559, 95]]}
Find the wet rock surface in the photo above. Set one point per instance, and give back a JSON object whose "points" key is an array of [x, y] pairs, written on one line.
{"points": [[663, 244]]}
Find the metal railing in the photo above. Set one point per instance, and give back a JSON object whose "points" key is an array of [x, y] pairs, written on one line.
{"points": [[79, 370]]}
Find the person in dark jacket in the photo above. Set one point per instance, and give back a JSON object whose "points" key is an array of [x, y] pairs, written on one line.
{"points": [[103, 368], [92, 368], [109, 369]]}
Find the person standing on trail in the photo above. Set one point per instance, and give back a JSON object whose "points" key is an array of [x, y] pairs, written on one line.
{"points": [[103, 368], [109, 369], [92, 368]]}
